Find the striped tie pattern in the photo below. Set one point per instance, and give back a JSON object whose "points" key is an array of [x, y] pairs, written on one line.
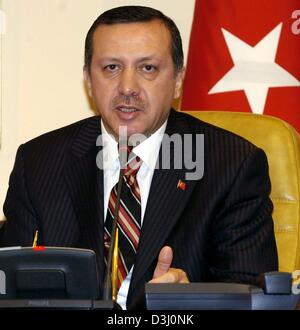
{"points": [[129, 218]]}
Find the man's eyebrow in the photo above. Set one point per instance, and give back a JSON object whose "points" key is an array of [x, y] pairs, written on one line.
{"points": [[138, 59], [109, 58], [148, 58]]}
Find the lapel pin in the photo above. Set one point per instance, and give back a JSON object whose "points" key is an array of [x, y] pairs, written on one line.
{"points": [[181, 185]]}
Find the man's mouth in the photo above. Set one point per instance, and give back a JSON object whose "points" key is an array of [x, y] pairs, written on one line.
{"points": [[127, 109]]}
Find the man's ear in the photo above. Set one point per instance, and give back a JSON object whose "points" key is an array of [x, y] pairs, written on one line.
{"points": [[87, 80], [178, 83]]}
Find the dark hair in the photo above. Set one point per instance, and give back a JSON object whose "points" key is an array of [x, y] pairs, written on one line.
{"points": [[131, 14]]}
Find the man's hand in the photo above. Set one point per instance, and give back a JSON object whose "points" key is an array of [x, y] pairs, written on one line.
{"points": [[164, 273]]}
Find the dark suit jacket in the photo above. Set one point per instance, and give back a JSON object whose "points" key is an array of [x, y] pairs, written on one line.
{"points": [[220, 227]]}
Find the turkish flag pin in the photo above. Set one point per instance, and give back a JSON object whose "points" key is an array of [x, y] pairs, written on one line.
{"points": [[181, 185]]}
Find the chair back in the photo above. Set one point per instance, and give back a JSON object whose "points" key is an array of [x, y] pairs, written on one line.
{"points": [[281, 143]]}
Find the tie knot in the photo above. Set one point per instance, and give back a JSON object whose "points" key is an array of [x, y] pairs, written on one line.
{"points": [[133, 165]]}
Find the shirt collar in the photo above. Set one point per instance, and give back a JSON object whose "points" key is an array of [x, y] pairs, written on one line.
{"points": [[110, 148], [147, 150]]}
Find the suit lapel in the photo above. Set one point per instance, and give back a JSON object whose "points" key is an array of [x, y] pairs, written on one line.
{"points": [[166, 202], [85, 183]]}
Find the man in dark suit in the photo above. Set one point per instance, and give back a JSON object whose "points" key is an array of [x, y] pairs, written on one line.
{"points": [[214, 228]]}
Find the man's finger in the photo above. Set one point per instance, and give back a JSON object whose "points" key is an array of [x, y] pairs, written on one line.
{"points": [[164, 261], [174, 275]]}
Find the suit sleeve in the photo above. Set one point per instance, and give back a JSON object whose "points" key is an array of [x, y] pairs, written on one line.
{"points": [[243, 232], [20, 226]]}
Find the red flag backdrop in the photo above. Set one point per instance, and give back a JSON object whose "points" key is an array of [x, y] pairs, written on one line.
{"points": [[245, 56]]}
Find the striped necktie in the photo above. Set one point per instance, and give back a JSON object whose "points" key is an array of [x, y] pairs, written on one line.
{"points": [[129, 218]]}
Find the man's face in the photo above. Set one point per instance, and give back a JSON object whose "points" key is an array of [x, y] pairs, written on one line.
{"points": [[132, 77]]}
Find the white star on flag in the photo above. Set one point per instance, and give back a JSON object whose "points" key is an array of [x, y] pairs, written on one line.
{"points": [[254, 70]]}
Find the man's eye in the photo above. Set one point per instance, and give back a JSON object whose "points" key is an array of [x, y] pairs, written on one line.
{"points": [[111, 67], [149, 68]]}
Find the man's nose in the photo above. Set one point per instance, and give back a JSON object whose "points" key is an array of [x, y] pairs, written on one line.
{"points": [[128, 85]]}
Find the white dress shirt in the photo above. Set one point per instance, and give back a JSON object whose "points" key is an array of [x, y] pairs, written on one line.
{"points": [[148, 152]]}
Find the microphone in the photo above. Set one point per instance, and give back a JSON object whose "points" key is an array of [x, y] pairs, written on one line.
{"points": [[107, 286]]}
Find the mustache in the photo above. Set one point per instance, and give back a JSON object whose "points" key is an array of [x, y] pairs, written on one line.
{"points": [[134, 101]]}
